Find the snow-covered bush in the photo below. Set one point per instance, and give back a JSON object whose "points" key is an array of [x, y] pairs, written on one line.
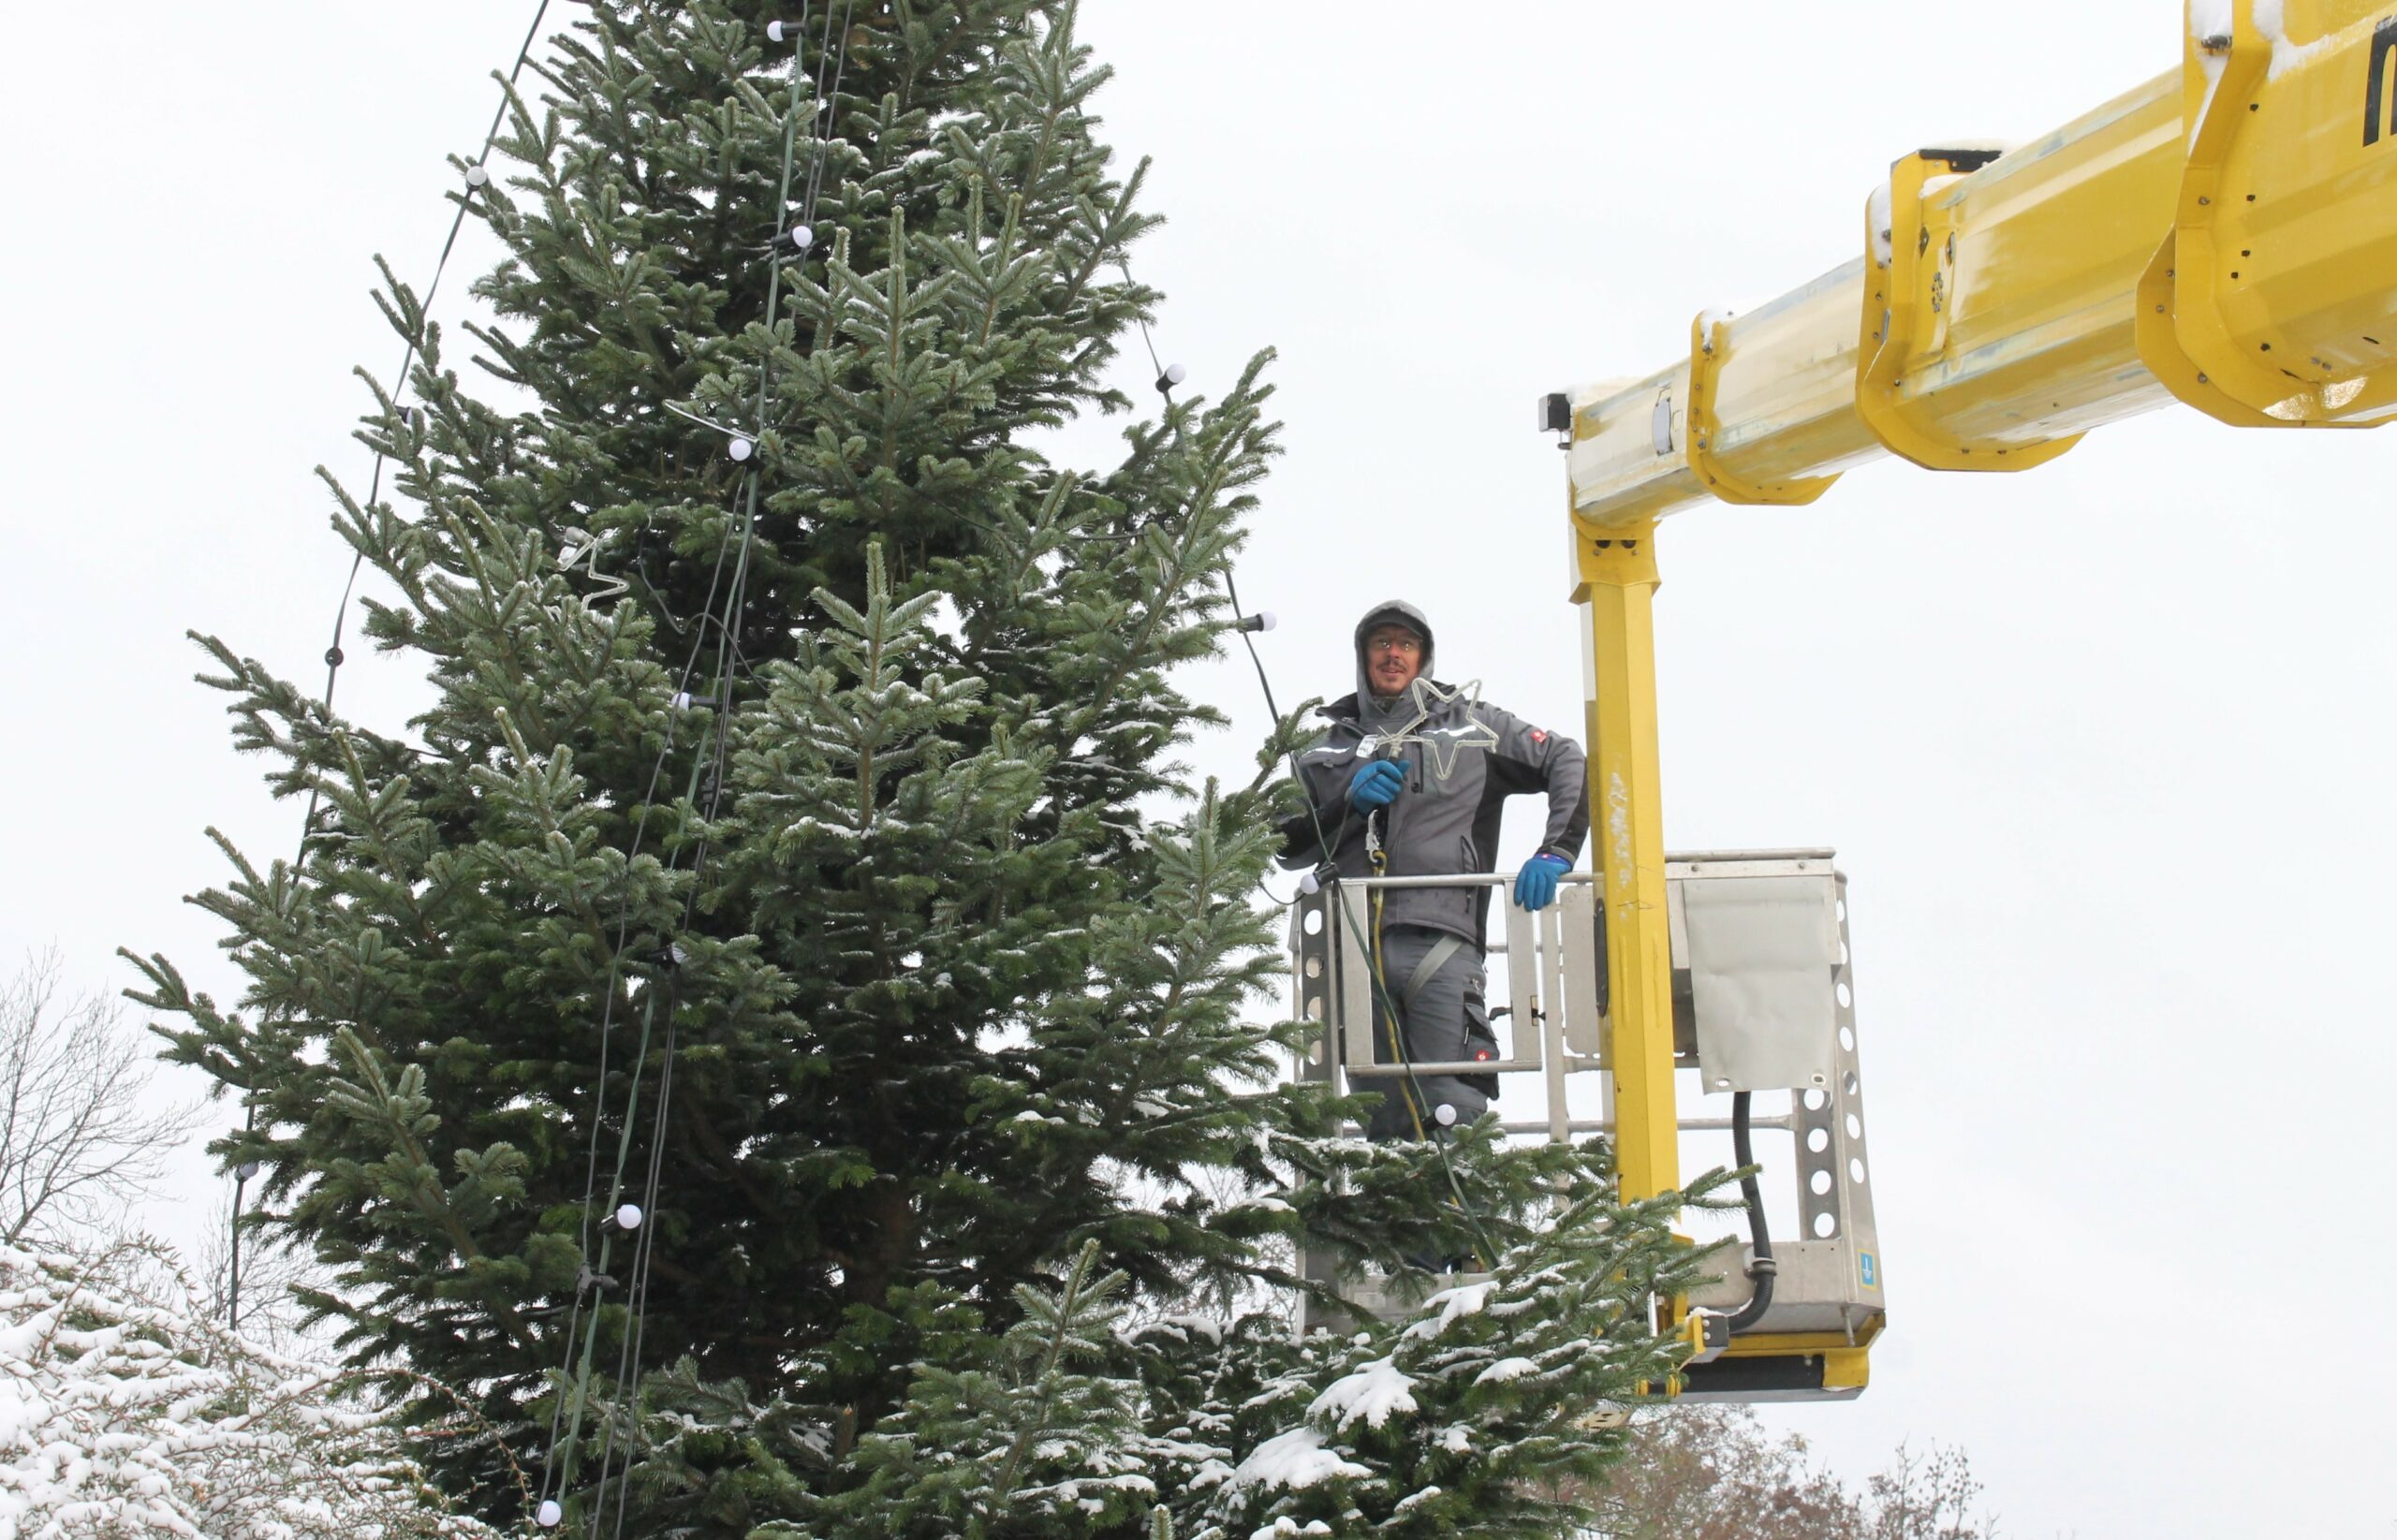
{"points": [[124, 1412]]}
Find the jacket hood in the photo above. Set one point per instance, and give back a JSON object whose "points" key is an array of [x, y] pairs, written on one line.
{"points": [[1389, 612]]}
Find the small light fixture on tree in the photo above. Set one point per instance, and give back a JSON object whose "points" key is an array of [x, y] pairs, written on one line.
{"points": [[629, 1217], [780, 32], [547, 1514], [799, 238], [477, 176], [1262, 620], [1174, 375], [248, 1171], [741, 448]]}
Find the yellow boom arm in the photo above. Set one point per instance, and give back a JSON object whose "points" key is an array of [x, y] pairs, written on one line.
{"points": [[2225, 235]]}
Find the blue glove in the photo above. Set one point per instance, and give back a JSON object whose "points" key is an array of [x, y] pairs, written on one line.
{"points": [[1377, 785], [1536, 884]]}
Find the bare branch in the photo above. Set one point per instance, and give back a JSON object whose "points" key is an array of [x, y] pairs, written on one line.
{"points": [[274, 1272], [82, 1138]]}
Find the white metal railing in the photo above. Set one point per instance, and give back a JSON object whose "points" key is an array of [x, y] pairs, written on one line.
{"points": [[1762, 985], [1555, 959]]}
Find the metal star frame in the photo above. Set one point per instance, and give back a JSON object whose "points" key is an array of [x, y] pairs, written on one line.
{"points": [[1473, 734]]}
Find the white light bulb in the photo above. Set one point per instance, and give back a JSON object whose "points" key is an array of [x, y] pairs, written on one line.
{"points": [[1310, 883], [629, 1217], [681, 701], [248, 1171], [741, 448], [801, 237], [1266, 620], [547, 1514], [477, 176], [1175, 374], [778, 32], [1445, 1115]]}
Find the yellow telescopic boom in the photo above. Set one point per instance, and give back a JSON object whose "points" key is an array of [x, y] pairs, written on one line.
{"points": [[2225, 235]]}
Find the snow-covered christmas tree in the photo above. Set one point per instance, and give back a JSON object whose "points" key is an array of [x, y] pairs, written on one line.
{"points": [[780, 1027]]}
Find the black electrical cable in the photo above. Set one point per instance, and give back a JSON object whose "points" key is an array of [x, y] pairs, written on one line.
{"points": [[1323, 841], [1762, 1268], [727, 649], [636, 1294], [628, 1369], [608, 1004], [334, 654], [827, 108], [606, 1017], [1124, 266], [728, 657]]}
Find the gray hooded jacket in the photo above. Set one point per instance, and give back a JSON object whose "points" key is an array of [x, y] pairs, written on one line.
{"points": [[1464, 757]]}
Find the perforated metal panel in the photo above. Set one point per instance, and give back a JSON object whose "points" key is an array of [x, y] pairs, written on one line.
{"points": [[1312, 979], [1835, 1176]]}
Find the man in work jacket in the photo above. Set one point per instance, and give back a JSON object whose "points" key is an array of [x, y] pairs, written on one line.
{"points": [[1419, 771]]}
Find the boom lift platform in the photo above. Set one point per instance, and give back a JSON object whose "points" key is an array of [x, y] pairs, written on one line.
{"points": [[2223, 236], [1763, 1001]]}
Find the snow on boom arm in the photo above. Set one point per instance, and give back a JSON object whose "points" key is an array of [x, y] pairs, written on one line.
{"points": [[2225, 235]]}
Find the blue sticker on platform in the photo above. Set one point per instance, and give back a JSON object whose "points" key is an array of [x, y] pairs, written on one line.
{"points": [[1867, 1271]]}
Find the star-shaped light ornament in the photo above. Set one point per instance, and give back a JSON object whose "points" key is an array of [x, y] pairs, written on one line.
{"points": [[1442, 743]]}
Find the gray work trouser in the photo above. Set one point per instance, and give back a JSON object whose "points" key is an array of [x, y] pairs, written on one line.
{"points": [[1445, 1022]]}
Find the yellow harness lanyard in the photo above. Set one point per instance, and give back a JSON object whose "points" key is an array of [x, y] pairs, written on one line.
{"points": [[1379, 859], [1376, 858]]}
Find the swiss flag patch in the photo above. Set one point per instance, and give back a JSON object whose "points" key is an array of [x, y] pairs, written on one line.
{"points": [[1539, 735]]}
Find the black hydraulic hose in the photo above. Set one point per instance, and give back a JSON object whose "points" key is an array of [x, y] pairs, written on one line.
{"points": [[1763, 1267]]}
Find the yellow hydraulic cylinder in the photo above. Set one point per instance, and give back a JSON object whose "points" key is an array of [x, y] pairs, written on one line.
{"points": [[2225, 234]]}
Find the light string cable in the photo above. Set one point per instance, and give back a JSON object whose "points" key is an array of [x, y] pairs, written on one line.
{"points": [[590, 1277], [1167, 377], [630, 1367], [476, 177], [557, 1478]]}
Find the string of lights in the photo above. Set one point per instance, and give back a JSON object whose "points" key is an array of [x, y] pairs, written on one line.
{"points": [[627, 1217], [475, 178]]}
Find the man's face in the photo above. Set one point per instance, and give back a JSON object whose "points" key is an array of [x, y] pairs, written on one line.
{"points": [[1393, 657]]}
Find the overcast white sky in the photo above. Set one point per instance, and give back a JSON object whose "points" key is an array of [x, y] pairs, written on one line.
{"points": [[2103, 747]]}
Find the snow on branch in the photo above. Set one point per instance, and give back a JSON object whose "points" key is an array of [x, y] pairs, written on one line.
{"points": [[123, 1411]]}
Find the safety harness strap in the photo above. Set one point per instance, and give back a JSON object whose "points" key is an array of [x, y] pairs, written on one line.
{"points": [[1442, 950]]}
